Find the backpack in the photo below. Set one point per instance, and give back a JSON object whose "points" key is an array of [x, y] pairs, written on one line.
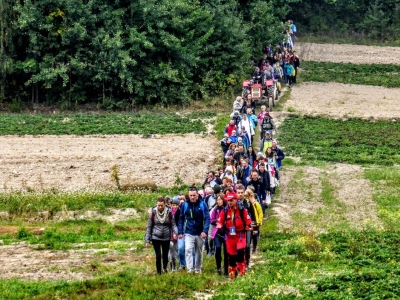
{"points": [[241, 210], [202, 205], [153, 215], [266, 124]]}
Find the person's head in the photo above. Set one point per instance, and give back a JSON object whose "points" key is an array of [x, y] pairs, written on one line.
{"points": [[267, 135], [250, 149], [232, 146], [257, 69], [249, 111], [269, 152], [244, 116], [182, 198], [220, 170], [208, 190], [229, 182], [233, 132], [261, 166], [211, 174], [240, 142], [161, 203], [263, 107], [249, 194], [274, 144], [231, 198], [277, 64], [254, 174], [241, 148], [193, 194], [249, 97], [175, 202], [168, 201], [239, 99], [224, 180], [240, 191], [267, 62], [226, 135], [221, 202], [245, 163], [266, 114], [231, 122]]}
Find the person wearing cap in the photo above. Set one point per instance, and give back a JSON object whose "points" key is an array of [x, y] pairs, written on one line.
{"points": [[238, 104], [234, 137], [193, 226], [236, 117], [229, 174], [235, 220], [268, 124], [266, 142]]}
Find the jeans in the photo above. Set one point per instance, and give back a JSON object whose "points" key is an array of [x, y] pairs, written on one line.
{"points": [[181, 252], [161, 246], [193, 242]]}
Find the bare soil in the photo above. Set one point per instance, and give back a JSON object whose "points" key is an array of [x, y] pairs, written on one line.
{"points": [[71, 163], [345, 100], [345, 53], [23, 261]]}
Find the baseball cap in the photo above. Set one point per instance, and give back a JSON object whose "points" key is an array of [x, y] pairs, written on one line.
{"points": [[230, 196]]}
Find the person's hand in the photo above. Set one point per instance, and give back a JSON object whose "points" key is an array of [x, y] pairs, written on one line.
{"points": [[174, 236], [219, 225], [203, 235], [255, 232], [263, 202], [180, 236], [147, 245]]}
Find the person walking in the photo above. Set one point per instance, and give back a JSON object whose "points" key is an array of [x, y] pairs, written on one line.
{"points": [[160, 225], [193, 226], [235, 220]]}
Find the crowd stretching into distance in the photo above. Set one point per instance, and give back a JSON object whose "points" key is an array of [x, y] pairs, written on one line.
{"points": [[224, 217]]}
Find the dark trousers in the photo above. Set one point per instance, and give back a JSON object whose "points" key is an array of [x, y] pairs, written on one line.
{"points": [[161, 246], [290, 79], [219, 244]]}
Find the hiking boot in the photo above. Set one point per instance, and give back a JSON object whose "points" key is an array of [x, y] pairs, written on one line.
{"points": [[182, 268], [254, 250]]}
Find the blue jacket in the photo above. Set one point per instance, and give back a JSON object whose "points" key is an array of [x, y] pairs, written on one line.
{"points": [[281, 155], [194, 218]]}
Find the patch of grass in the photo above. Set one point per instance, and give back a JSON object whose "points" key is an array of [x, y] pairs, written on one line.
{"points": [[112, 123], [354, 141], [354, 39], [221, 122], [366, 74], [386, 183]]}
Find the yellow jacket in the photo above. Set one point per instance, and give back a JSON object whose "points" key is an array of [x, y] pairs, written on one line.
{"points": [[258, 213]]}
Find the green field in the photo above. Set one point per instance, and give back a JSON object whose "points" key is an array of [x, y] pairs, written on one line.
{"points": [[367, 74], [107, 123]]}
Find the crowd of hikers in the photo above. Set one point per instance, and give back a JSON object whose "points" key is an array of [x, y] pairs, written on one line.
{"points": [[224, 217]]}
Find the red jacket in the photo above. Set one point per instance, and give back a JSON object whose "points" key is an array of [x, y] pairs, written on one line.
{"points": [[229, 129], [237, 220]]}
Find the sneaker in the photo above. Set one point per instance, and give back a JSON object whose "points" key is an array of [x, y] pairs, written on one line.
{"points": [[197, 272], [210, 254], [182, 268], [165, 270]]}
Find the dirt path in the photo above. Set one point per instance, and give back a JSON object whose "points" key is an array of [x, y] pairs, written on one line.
{"points": [[84, 162], [345, 100], [344, 53]]}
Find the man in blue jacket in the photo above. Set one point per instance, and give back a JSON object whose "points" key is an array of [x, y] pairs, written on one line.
{"points": [[279, 156], [193, 225]]}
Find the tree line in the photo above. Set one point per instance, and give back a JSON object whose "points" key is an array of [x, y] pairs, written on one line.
{"points": [[375, 20], [130, 52]]}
